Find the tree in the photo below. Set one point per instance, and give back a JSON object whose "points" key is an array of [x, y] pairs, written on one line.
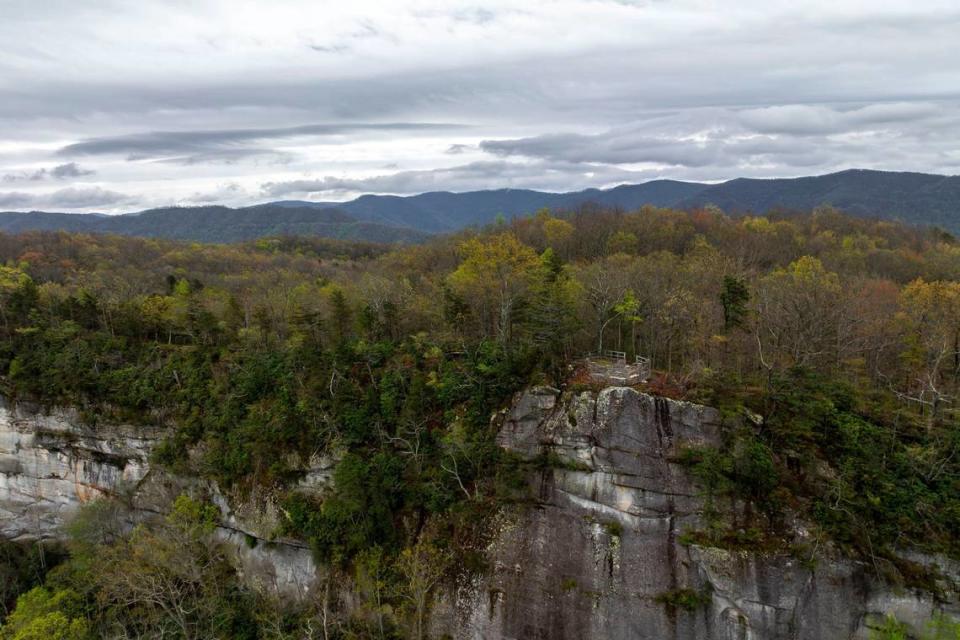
{"points": [[552, 317], [734, 298], [17, 293], [171, 578], [42, 614], [796, 314], [931, 314], [493, 276], [626, 308], [421, 568], [606, 283], [22, 566], [374, 579], [340, 314], [623, 242], [558, 233]]}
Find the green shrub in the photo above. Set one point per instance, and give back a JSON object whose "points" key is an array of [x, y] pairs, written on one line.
{"points": [[684, 599]]}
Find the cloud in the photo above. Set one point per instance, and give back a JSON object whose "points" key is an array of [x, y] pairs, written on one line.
{"points": [[226, 143], [619, 147], [366, 29], [789, 139], [467, 177], [59, 172], [69, 198], [15, 200], [223, 193], [803, 119], [565, 94], [614, 147], [330, 48], [69, 170], [230, 156]]}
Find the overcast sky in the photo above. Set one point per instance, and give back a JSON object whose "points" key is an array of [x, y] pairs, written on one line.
{"points": [[113, 105]]}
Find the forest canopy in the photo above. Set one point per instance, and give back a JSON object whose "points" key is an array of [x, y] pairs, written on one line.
{"points": [[831, 344]]}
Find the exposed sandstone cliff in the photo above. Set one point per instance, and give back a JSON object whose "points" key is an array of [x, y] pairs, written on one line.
{"points": [[51, 463], [601, 553]]}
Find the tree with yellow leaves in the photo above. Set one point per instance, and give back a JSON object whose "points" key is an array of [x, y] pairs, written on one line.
{"points": [[495, 274], [558, 234], [797, 314], [930, 313]]}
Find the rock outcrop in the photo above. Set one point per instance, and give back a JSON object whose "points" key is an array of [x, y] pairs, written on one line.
{"points": [[51, 463], [601, 553]]}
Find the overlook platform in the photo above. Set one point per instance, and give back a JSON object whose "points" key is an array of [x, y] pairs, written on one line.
{"points": [[612, 367]]}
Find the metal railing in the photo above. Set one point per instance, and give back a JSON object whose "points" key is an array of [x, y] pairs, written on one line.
{"points": [[643, 367], [613, 367]]}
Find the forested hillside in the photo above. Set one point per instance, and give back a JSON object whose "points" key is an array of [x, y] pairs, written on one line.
{"points": [[918, 198], [217, 224], [831, 345]]}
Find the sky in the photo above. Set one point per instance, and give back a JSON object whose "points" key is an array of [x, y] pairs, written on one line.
{"points": [[113, 106]]}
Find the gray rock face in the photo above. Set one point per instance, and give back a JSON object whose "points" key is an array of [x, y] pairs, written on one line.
{"points": [[599, 554], [51, 464]]}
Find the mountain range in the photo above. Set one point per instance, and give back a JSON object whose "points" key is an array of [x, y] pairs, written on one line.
{"points": [[915, 198]]}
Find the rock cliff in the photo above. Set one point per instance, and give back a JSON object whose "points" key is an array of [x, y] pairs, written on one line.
{"points": [[51, 463], [601, 553]]}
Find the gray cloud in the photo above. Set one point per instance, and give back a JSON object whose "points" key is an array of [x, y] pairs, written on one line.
{"points": [[564, 94], [635, 147], [70, 170], [467, 177], [227, 142], [68, 198], [223, 193], [228, 156], [801, 119], [59, 172], [15, 200], [330, 48], [612, 147], [787, 138], [366, 29], [475, 15]]}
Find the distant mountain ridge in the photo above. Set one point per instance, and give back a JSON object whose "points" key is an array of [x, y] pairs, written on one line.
{"points": [[444, 211], [217, 224], [915, 198]]}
